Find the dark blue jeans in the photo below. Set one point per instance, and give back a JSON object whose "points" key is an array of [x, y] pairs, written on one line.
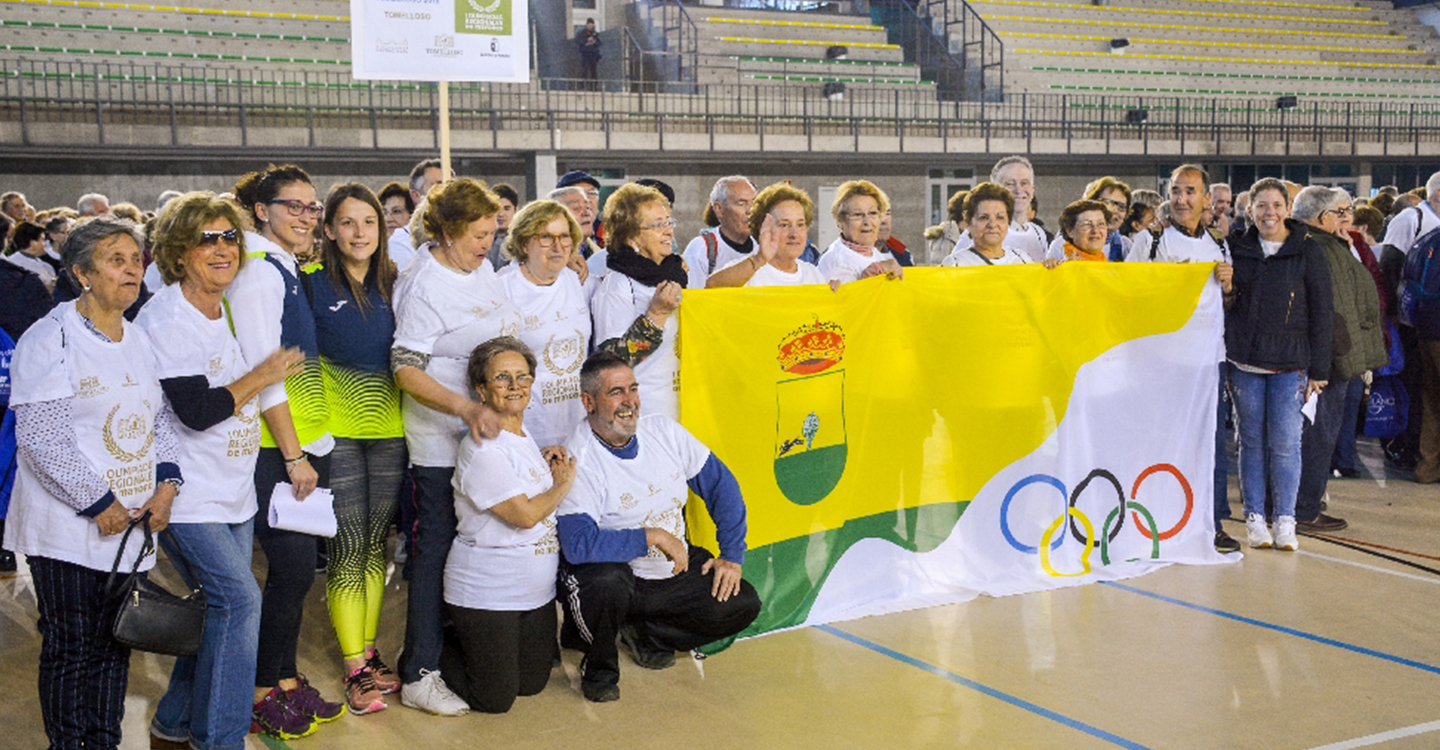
{"points": [[1317, 446], [290, 569], [434, 531]]}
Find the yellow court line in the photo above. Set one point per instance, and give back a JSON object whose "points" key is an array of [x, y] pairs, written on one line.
{"points": [[1195, 27], [795, 24], [1168, 12], [1247, 60], [806, 42], [93, 4], [1201, 43]]}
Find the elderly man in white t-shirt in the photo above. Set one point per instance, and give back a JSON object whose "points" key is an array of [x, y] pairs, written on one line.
{"points": [[1186, 240], [1014, 173], [718, 246], [626, 568]]}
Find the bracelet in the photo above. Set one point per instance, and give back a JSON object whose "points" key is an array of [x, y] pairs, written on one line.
{"points": [[291, 463]]}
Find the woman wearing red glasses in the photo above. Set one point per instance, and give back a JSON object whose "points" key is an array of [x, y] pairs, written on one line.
{"points": [[271, 310], [212, 394]]}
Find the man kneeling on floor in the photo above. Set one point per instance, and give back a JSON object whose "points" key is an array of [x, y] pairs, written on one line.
{"points": [[626, 568]]}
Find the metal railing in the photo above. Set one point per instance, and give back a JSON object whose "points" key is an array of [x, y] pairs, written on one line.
{"points": [[677, 28], [982, 53], [939, 48], [165, 107]]}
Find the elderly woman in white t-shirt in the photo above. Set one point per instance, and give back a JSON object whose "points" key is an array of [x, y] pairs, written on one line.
{"points": [[199, 247], [858, 208], [445, 307], [551, 296], [988, 210], [634, 305], [500, 576], [780, 219], [96, 451]]}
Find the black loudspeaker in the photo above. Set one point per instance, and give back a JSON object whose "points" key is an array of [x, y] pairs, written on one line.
{"points": [[1287, 102], [1137, 116]]}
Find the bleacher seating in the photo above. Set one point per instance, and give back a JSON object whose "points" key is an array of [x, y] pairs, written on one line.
{"points": [[1216, 48], [776, 47]]}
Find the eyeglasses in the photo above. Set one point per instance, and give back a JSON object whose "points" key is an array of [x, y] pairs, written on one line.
{"points": [[1090, 226], [660, 226], [506, 380], [396, 211], [211, 239], [856, 215], [1117, 205], [549, 240], [1338, 211], [296, 208]]}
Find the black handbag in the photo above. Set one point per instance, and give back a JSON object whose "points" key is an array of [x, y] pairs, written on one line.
{"points": [[152, 618]]}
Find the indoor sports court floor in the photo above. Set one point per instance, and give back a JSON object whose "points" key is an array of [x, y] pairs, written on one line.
{"points": [[1331, 647]]}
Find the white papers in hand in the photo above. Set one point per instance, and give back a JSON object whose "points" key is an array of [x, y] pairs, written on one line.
{"points": [[316, 515]]}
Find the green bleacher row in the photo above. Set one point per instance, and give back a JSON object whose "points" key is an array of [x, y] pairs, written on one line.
{"points": [[178, 32]]}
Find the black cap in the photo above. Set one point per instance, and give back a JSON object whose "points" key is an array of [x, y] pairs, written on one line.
{"points": [[664, 189]]}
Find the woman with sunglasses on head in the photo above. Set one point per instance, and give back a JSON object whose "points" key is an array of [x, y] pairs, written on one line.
{"points": [[212, 394], [634, 307], [543, 239], [350, 296], [271, 310]]}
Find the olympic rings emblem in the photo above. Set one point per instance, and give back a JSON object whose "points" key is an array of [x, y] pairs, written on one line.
{"points": [[1073, 518]]}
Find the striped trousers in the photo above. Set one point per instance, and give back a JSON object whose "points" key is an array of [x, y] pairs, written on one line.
{"points": [[83, 669]]}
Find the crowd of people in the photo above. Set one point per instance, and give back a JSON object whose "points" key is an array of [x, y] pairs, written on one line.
{"points": [[503, 377]]}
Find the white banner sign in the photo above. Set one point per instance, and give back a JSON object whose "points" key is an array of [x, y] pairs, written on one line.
{"points": [[440, 40]]}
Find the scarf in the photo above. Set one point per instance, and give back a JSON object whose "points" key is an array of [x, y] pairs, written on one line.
{"points": [[865, 250], [1074, 253], [649, 273]]}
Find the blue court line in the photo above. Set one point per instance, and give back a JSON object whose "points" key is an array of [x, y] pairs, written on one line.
{"points": [[1278, 628], [992, 692]]}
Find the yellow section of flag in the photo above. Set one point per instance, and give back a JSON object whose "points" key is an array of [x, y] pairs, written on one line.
{"points": [[885, 395]]}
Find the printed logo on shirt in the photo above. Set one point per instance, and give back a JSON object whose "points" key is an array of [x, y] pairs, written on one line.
{"points": [[336, 307], [90, 387], [564, 356], [550, 543], [810, 442], [129, 382], [121, 435], [245, 440], [217, 367]]}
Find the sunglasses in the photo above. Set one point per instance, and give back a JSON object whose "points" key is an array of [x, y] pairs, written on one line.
{"points": [[211, 239]]}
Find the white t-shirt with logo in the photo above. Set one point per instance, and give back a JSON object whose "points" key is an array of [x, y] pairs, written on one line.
{"points": [[219, 462], [446, 314], [494, 565], [841, 263], [647, 491], [1410, 225], [556, 326], [115, 398], [769, 275], [1023, 237], [618, 301]]}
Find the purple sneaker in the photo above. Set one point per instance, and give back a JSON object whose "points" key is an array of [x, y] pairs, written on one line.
{"points": [[308, 702], [276, 716]]}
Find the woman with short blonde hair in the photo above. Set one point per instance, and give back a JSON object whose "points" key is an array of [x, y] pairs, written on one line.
{"points": [[858, 209]]}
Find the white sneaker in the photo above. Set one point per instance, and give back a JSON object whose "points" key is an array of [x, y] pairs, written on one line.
{"points": [[430, 693], [1285, 534], [1257, 531]]}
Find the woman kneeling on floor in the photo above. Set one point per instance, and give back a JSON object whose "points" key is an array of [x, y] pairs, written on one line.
{"points": [[500, 577]]}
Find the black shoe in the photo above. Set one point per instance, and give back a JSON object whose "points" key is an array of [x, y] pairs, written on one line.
{"points": [[1225, 543], [7, 561], [600, 692], [1347, 474], [1322, 522], [647, 658]]}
